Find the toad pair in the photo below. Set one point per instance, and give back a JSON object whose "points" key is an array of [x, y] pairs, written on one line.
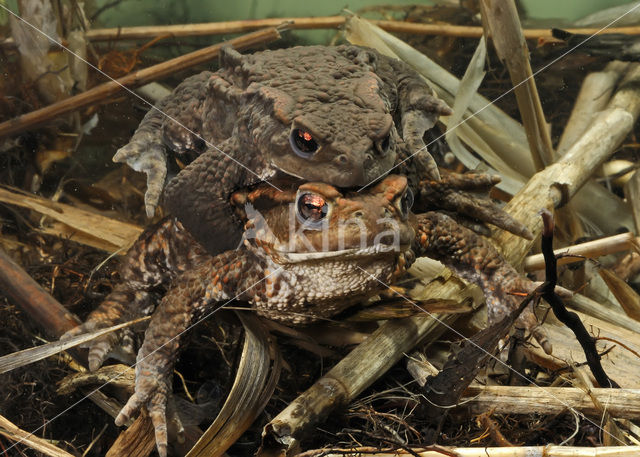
{"points": [[324, 114]]}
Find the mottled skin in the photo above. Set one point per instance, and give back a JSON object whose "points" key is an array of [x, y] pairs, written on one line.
{"points": [[362, 241], [354, 111]]}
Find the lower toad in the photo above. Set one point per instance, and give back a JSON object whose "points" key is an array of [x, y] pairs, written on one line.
{"points": [[308, 252]]}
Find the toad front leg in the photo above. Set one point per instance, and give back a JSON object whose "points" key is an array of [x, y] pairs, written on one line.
{"points": [[194, 295], [474, 258], [457, 193], [174, 122]]}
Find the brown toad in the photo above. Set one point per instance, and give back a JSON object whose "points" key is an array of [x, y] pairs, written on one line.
{"points": [[343, 115], [309, 252]]}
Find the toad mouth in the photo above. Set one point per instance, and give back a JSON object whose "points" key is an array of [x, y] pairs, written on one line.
{"points": [[342, 254]]}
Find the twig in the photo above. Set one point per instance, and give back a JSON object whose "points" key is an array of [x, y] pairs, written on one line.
{"points": [[520, 451], [568, 318], [43, 446], [139, 78]]}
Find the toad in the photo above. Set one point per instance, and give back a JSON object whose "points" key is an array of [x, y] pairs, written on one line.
{"points": [[343, 115], [309, 252]]}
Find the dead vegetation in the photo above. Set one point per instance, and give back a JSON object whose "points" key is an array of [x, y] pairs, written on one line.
{"points": [[65, 211]]}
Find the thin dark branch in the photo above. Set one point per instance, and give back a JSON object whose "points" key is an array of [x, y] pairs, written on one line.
{"points": [[568, 318]]}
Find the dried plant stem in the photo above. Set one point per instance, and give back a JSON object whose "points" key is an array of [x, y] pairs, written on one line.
{"points": [[322, 22], [349, 377], [500, 18], [24, 292], [592, 249], [139, 78], [621, 403], [594, 95], [14, 433], [592, 308], [556, 184]]}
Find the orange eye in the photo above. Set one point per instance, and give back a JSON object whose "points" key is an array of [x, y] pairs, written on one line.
{"points": [[311, 209], [302, 143]]}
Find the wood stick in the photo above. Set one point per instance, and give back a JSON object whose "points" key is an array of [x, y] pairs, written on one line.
{"points": [[500, 18], [139, 78], [621, 403], [591, 249], [99, 231], [321, 22]]}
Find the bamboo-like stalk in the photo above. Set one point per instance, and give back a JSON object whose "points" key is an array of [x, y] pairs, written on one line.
{"points": [[591, 249], [136, 79], [594, 309], [556, 184], [349, 377], [613, 213], [501, 20], [620, 403], [594, 95]]}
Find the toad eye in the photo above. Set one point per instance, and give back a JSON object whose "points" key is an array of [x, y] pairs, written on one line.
{"points": [[383, 145], [302, 143], [404, 203], [311, 209]]}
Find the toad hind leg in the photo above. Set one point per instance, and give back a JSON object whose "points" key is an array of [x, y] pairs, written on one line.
{"points": [[194, 294], [159, 254]]}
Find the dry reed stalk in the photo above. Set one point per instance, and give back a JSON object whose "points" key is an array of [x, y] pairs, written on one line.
{"points": [[321, 22], [23, 438], [528, 451], [620, 403], [556, 184], [348, 378], [79, 225], [500, 19], [591, 249], [593, 97], [136, 79]]}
